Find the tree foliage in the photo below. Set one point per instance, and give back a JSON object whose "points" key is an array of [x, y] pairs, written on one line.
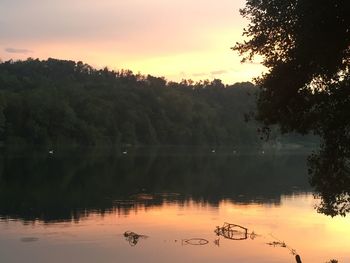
{"points": [[305, 45], [55, 102]]}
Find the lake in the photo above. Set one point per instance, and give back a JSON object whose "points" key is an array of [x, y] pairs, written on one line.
{"points": [[165, 204]]}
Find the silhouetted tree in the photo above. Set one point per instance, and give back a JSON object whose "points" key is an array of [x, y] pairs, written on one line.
{"points": [[305, 46]]}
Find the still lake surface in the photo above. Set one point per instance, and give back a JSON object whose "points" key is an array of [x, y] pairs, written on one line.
{"points": [[75, 206]]}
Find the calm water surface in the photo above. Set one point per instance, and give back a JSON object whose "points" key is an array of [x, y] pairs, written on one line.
{"points": [[75, 207]]}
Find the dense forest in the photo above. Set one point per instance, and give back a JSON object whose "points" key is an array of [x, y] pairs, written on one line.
{"points": [[53, 102]]}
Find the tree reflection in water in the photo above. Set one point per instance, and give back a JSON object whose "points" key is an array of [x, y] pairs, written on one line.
{"points": [[72, 184], [330, 176]]}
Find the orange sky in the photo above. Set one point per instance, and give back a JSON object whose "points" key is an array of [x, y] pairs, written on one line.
{"points": [[178, 39]]}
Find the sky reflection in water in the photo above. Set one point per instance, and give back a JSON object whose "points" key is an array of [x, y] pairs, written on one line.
{"points": [[82, 212], [99, 237]]}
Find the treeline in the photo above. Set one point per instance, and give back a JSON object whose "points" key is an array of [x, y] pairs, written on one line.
{"points": [[55, 102]]}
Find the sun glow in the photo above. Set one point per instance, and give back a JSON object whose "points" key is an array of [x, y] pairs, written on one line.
{"points": [[175, 39]]}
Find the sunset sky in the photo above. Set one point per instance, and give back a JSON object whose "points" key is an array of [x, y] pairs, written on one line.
{"points": [[177, 39]]}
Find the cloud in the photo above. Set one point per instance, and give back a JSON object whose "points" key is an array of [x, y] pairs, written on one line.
{"points": [[18, 50], [210, 74], [218, 72], [202, 74]]}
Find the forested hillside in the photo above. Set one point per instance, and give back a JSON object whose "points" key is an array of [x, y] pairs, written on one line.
{"points": [[63, 102]]}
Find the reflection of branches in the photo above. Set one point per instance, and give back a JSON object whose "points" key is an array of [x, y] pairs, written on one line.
{"points": [[133, 238]]}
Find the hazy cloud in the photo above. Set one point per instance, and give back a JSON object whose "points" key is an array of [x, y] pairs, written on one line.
{"points": [[218, 72], [199, 74], [182, 74], [17, 50]]}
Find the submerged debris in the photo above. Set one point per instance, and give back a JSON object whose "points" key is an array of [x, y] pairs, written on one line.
{"points": [[277, 244], [237, 232], [29, 239], [233, 232], [217, 242], [228, 231], [133, 238], [195, 241], [252, 235]]}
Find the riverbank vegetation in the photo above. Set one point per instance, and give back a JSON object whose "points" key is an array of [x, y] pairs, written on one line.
{"points": [[54, 101]]}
